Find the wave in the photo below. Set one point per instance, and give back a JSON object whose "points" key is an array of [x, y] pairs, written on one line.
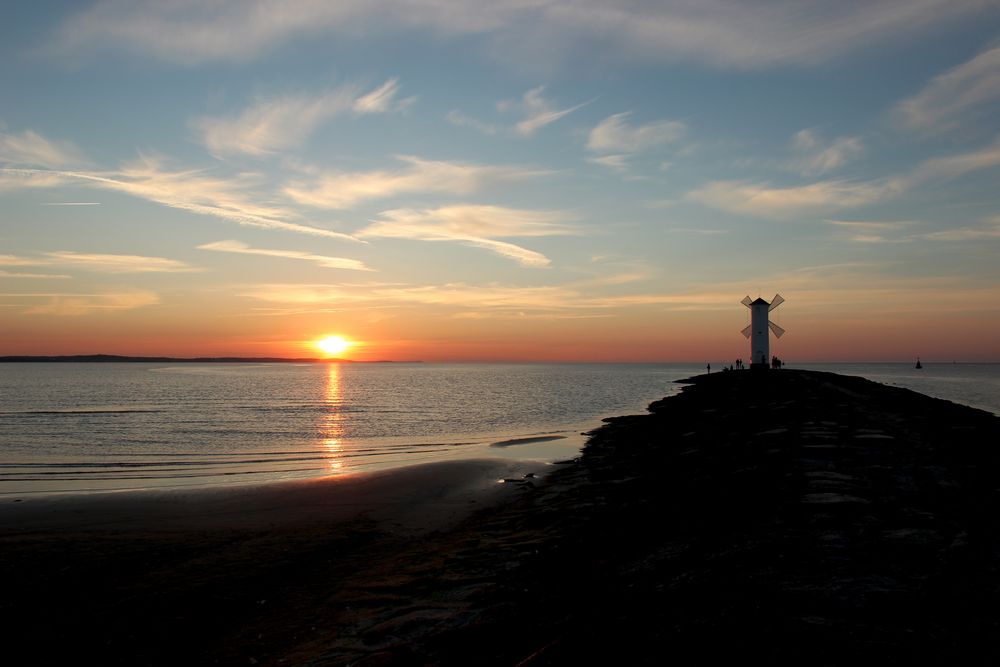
{"points": [[191, 475], [80, 411]]}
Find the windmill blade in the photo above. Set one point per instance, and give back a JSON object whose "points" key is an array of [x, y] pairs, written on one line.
{"points": [[776, 329], [775, 302], [746, 332], [747, 301]]}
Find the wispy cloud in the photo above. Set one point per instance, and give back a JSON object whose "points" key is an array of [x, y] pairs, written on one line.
{"points": [[698, 231], [990, 229], [298, 294], [233, 198], [195, 191], [901, 231], [456, 117], [102, 263], [19, 179], [660, 203], [382, 99], [728, 33], [536, 110], [731, 33], [272, 125], [816, 156], [968, 91], [320, 260], [764, 200], [618, 163], [872, 291], [872, 225], [339, 190], [477, 298], [479, 226], [85, 304], [105, 263], [874, 231], [31, 149], [492, 300], [14, 260], [42, 276], [615, 135], [953, 166]]}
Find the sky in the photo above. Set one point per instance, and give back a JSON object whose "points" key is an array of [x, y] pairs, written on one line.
{"points": [[518, 180]]}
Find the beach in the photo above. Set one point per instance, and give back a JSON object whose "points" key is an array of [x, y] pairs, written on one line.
{"points": [[782, 516]]}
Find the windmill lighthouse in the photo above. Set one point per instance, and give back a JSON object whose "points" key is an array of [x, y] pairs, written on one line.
{"points": [[757, 330]]}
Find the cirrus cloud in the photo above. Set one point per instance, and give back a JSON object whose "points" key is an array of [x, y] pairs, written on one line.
{"points": [[30, 148], [615, 135], [480, 226], [340, 190], [229, 197], [762, 200], [963, 92], [71, 305], [275, 124], [816, 156], [320, 260], [538, 112], [101, 262], [724, 33]]}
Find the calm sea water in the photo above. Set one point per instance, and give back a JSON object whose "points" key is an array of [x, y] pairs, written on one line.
{"points": [[83, 427]]}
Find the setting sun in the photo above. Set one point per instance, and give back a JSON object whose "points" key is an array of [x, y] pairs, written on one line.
{"points": [[333, 344]]}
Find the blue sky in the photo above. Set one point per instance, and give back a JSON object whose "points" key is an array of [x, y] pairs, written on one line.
{"points": [[513, 180]]}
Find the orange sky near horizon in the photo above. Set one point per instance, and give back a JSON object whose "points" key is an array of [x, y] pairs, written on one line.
{"points": [[633, 335]]}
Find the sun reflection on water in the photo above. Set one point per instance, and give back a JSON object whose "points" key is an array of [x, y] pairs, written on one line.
{"points": [[332, 423]]}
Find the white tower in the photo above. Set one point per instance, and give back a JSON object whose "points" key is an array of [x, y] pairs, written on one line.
{"points": [[760, 355]]}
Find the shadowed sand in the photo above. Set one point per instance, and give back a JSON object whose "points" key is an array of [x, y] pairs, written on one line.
{"points": [[527, 441], [784, 517], [419, 498]]}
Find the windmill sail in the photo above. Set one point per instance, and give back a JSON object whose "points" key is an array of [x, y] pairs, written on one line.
{"points": [[747, 330], [776, 329], [775, 302], [747, 301]]}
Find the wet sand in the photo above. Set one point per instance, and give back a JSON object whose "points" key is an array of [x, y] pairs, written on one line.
{"points": [[786, 517], [415, 499]]}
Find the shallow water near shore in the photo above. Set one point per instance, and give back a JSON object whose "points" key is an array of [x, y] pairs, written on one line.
{"points": [[78, 427]]}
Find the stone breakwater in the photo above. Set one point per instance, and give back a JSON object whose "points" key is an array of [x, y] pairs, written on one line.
{"points": [[789, 517]]}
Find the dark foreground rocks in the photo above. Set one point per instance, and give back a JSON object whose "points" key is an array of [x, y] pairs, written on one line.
{"points": [[784, 517]]}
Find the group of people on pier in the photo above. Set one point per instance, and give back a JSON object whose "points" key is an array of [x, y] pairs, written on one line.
{"points": [[738, 365]]}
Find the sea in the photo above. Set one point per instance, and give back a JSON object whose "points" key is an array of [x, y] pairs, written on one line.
{"points": [[96, 427]]}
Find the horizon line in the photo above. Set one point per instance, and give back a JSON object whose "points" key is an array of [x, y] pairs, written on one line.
{"points": [[104, 358]]}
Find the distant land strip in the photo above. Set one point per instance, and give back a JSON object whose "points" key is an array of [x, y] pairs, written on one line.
{"points": [[101, 358]]}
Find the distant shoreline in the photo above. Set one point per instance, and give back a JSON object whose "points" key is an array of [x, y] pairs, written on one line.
{"points": [[116, 358]]}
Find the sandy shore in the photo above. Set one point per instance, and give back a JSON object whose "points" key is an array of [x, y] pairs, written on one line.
{"points": [[788, 517]]}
